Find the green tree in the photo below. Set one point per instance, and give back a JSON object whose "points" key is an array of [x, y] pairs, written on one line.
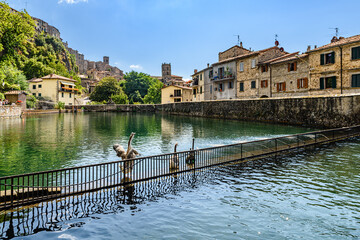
{"points": [[12, 78], [137, 85], [105, 89], [154, 93], [16, 28], [121, 98], [34, 68], [31, 101]]}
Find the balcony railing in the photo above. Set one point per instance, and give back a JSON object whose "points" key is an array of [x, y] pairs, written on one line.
{"points": [[67, 89], [224, 77], [195, 82], [176, 95]]}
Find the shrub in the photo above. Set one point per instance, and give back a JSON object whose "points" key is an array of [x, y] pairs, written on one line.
{"points": [[60, 105]]}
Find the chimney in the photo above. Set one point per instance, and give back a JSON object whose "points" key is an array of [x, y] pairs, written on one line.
{"points": [[208, 65], [334, 39], [315, 46], [195, 71], [308, 48], [241, 44]]}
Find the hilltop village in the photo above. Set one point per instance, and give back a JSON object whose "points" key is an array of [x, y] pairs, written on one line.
{"points": [[272, 72]]}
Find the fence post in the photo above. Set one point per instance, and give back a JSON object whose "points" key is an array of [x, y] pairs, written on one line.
{"points": [[276, 145], [241, 150], [315, 138], [12, 192], [298, 141]]}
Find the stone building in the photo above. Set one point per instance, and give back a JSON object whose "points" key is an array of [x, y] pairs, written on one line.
{"points": [[167, 78], [335, 67], [233, 52], [289, 75], [223, 78], [42, 26], [198, 86], [173, 94], [17, 97]]}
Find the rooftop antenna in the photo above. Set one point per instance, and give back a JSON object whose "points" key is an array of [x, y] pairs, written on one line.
{"points": [[336, 31], [238, 37], [276, 40]]}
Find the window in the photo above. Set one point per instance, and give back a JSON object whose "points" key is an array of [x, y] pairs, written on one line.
{"points": [[200, 90], [39, 94], [221, 72], [355, 53], [253, 84], [355, 80], [69, 95], [253, 63], [197, 90], [34, 94], [200, 77], [40, 86], [302, 83], [221, 87], [62, 94], [292, 67], [34, 86], [264, 68], [194, 91], [177, 93], [177, 99], [210, 88], [264, 83], [281, 87], [328, 82], [241, 68], [327, 58], [241, 87], [210, 73], [231, 85]]}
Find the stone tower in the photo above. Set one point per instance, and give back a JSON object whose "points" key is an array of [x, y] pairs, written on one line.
{"points": [[106, 59], [166, 71]]}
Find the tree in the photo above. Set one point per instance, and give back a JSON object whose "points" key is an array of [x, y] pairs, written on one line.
{"points": [[12, 78], [137, 85], [105, 89], [121, 98], [16, 28], [34, 68], [154, 93]]}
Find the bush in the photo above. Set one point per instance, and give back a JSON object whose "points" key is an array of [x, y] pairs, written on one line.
{"points": [[2, 97], [60, 105], [31, 101], [120, 98]]}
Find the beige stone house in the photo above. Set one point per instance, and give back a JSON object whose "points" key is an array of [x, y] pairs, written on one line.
{"points": [[54, 87], [198, 86], [175, 93], [335, 67], [289, 75], [253, 72]]}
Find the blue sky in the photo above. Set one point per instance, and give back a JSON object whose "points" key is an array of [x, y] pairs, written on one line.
{"points": [[142, 34]]}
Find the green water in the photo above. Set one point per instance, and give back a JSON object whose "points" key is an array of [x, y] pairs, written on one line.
{"points": [[311, 194], [45, 142]]}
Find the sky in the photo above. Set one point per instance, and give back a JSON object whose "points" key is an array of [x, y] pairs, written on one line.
{"points": [[140, 35]]}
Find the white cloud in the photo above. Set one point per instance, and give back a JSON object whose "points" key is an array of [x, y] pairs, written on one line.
{"points": [[71, 1], [135, 67]]}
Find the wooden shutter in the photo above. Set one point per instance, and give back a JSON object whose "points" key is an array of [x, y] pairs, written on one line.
{"points": [[266, 83], [322, 83], [333, 82], [278, 87], [305, 82], [322, 59], [284, 86], [288, 67], [298, 83], [333, 57], [295, 66], [266, 68]]}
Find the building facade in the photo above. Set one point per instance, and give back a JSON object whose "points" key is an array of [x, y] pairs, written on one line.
{"points": [[198, 86], [54, 88], [173, 94]]}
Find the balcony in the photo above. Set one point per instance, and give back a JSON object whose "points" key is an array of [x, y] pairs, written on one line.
{"points": [[224, 77], [67, 89], [195, 82], [176, 95]]}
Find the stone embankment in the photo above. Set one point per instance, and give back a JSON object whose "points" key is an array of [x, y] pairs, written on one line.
{"points": [[10, 111], [319, 111]]}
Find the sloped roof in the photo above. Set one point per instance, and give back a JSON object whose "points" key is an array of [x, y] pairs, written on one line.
{"points": [[183, 87], [54, 76], [339, 42], [292, 57], [35, 80], [15, 92]]}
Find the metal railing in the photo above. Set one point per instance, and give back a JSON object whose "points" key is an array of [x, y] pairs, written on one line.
{"points": [[36, 187]]}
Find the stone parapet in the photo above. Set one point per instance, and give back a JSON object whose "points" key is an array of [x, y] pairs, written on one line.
{"points": [[10, 111]]}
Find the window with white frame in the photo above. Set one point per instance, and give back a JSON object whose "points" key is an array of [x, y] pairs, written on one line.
{"points": [[241, 67], [253, 63]]}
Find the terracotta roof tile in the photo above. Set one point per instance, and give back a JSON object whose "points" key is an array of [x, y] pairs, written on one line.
{"points": [[54, 76], [290, 58], [15, 92], [341, 41]]}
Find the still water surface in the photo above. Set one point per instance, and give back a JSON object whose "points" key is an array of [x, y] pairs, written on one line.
{"points": [[310, 195]]}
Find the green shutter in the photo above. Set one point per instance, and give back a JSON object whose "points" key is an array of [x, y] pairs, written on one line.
{"points": [[353, 79], [321, 83], [333, 83], [241, 87], [333, 57], [322, 59], [353, 54]]}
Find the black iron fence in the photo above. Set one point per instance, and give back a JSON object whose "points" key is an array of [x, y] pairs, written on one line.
{"points": [[36, 187]]}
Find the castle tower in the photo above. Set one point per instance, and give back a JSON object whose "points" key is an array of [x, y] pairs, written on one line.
{"points": [[166, 71], [106, 59]]}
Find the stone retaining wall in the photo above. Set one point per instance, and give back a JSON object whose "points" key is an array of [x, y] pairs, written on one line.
{"points": [[10, 111], [320, 111]]}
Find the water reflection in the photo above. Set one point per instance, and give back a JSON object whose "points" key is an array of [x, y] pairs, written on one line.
{"points": [[44, 142]]}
